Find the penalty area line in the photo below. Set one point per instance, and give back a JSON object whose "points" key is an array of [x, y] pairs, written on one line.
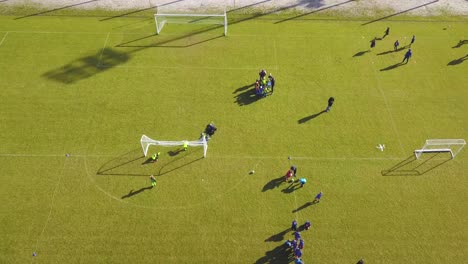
{"points": [[4, 37]]}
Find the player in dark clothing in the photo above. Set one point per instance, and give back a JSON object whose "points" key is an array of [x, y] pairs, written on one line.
{"points": [[395, 45], [331, 100], [294, 169], [412, 40], [262, 74], [387, 32], [210, 129], [361, 261], [408, 55], [372, 43], [294, 225], [272, 82]]}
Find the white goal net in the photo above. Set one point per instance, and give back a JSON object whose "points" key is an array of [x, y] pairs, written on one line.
{"points": [[146, 142], [163, 18], [452, 146]]}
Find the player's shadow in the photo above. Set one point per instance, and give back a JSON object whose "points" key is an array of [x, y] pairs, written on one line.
{"points": [[394, 66], [88, 66], [275, 183], [458, 61], [132, 193], [124, 165], [414, 167], [280, 254], [291, 187], [390, 51], [302, 207], [460, 43], [278, 237], [185, 159], [308, 118], [360, 53], [245, 95]]}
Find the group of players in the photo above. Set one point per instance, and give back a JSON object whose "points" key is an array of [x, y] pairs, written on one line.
{"points": [[396, 45], [264, 85]]}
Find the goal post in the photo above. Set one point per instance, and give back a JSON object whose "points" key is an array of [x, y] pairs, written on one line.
{"points": [[146, 142], [161, 19], [452, 146]]}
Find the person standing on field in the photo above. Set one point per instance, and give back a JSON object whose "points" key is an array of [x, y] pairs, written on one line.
{"points": [[412, 40], [395, 45], [408, 55], [387, 32], [272, 82], [331, 100]]}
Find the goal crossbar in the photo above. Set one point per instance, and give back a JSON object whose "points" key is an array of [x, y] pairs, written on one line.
{"points": [[146, 142], [454, 146], [160, 21]]}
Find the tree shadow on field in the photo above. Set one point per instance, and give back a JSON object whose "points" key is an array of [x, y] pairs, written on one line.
{"points": [[308, 118], [304, 206], [417, 167], [314, 4], [360, 53], [401, 12], [88, 66], [458, 61], [132, 193], [55, 9], [275, 183], [122, 164], [245, 95], [280, 255], [394, 66]]}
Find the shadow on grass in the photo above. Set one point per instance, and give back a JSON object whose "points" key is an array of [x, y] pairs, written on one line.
{"points": [[391, 51], [292, 187], [56, 9], [132, 193], [179, 162], [394, 66], [308, 118], [275, 183], [460, 43], [399, 13], [281, 254], [314, 4], [413, 167], [87, 66], [278, 237], [360, 53], [117, 166], [458, 61], [302, 207], [245, 95]]}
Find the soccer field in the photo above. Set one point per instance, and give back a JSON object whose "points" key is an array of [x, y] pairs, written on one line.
{"points": [[91, 86]]}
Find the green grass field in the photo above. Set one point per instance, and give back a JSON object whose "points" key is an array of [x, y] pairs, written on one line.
{"points": [[90, 86]]}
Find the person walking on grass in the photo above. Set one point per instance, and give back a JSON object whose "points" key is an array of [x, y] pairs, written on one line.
{"points": [[387, 32], [307, 225], [155, 157], [395, 45], [318, 197], [372, 43], [331, 100], [153, 181], [408, 55], [412, 40]]}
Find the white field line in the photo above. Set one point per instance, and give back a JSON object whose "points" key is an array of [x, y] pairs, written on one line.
{"points": [[102, 51], [387, 107], [51, 206], [190, 67], [4, 37]]}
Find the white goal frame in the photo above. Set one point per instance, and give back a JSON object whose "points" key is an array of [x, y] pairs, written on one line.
{"points": [[146, 142], [453, 146], [161, 22]]}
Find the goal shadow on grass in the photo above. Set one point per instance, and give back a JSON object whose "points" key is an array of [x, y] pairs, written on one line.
{"points": [[417, 167], [134, 163]]}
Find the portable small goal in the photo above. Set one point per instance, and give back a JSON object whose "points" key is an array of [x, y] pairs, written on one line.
{"points": [[453, 146], [146, 142], [161, 19]]}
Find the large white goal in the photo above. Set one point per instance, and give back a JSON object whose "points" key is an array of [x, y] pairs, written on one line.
{"points": [[161, 19], [453, 146], [146, 142]]}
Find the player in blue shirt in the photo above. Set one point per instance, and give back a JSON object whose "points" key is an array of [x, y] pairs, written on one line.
{"points": [[408, 55], [298, 261], [307, 225], [294, 225], [302, 181], [297, 235], [318, 197], [395, 45], [298, 253], [301, 244]]}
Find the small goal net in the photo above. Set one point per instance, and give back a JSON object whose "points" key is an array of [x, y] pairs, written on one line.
{"points": [[146, 142], [162, 18], [452, 146]]}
